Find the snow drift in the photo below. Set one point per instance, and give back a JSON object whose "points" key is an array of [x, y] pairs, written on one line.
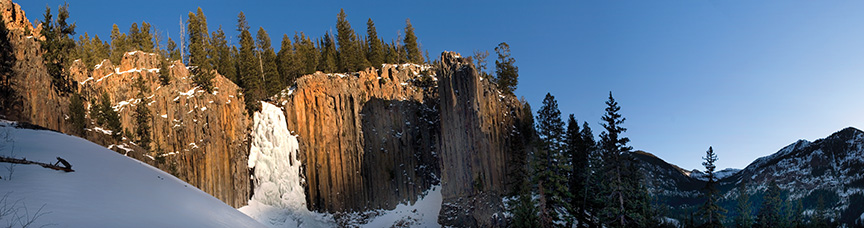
{"points": [[106, 190]]}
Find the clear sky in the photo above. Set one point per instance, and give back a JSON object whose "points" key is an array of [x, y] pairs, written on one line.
{"points": [[746, 77]]}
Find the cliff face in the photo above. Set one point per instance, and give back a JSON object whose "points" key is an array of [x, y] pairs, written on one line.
{"points": [[199, 137], [367, 141], [33, 99], [479, 135]]}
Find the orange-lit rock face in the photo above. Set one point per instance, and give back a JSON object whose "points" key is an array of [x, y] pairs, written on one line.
{"points": [[201, 136], [367, 142]]}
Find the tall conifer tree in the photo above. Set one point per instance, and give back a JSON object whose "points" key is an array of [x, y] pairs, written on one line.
{"points": [[247, 67], [412, 48], [711, 212], [173, 52], [224, 64], [328, 61], [505, 67], [771, 211], [616, 211], [551, 165], [578, 155], [59, 46], [199, 43], [307, 56], [118, 45], [349, 57], [745, 214], [267, 61], [134, 36], [375, 47], [142, 115], [287, 61]]}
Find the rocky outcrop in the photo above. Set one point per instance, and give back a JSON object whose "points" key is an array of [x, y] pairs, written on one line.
{"points": [[478, 137], [33, 99], [199, 136], [16, 19], [367, 140]]}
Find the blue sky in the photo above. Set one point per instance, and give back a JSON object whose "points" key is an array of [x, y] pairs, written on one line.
{"points": [[746, 77]]}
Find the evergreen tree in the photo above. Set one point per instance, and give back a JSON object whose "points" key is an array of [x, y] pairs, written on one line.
{"points": [[289, 68], [771, 211], [145, 39], [267, 63], [142, 115], [173, 52], [307, 55], [107, 117], [819, 220], [222, 55], [247, 67], [375, 54], [524, 212], [794, 210], [85, 49], [102, 50], [118, 45], [551, 165], [198, 50], [518, 171], [638, 208], [349, 57], [328, 54], [164, 72], [745, 214], [134, 36], [577, 151], [389, 54], [593, 179], [616, 211], [506, 70], [412, 48], [59, 47], [77, 114], [710, 211]]}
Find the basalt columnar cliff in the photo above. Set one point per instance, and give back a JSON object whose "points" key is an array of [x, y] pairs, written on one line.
{"points": [[368, 140], [198, 136]]}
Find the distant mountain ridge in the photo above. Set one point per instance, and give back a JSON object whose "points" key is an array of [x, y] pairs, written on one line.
{"points": [[832, 167]]}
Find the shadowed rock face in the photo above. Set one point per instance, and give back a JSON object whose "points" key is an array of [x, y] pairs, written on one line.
{"points": [[478, 136], [367, 141]]}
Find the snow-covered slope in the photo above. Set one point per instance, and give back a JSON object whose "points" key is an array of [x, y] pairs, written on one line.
{"points": [[106, 190], [718, 175], [280, 201]]}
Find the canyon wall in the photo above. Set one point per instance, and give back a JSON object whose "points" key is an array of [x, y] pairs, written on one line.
{"points": [[368, 140], [199, 137], [480, 138]]}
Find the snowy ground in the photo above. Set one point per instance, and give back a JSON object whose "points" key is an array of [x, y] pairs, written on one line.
{"points": [[279, 199], [106, 190]]}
